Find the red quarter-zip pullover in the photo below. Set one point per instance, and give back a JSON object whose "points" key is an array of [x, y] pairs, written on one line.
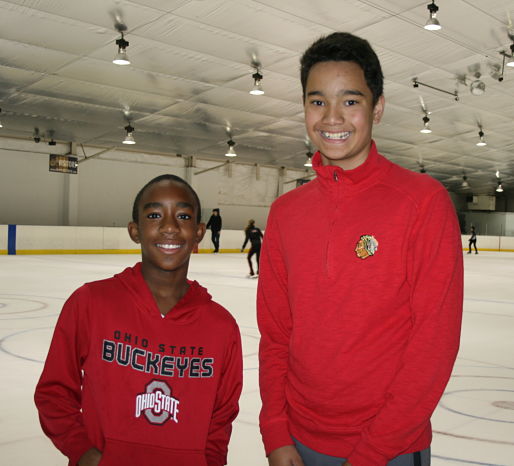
{"points": [[359, 312]]}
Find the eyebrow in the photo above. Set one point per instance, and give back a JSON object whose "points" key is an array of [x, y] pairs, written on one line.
{"points": [[340, 93], [158, 205], [185, 205], [152, 205]]}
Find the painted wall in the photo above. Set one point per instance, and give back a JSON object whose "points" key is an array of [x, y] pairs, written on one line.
{"points": [[3, 239], [102, 192], [43, 239], [491, 223]]}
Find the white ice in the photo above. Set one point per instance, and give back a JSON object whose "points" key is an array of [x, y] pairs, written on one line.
{"points": [[474, 423]]}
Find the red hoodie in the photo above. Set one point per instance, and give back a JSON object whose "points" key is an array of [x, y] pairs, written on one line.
{"points": [[143, 389], [359, 311]]}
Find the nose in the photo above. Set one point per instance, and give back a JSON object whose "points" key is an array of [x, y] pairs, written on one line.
{"points": [[333, 114], [169, 224]]}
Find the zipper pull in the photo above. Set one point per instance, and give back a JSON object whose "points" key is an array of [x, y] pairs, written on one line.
{"points": [[336, 178]]}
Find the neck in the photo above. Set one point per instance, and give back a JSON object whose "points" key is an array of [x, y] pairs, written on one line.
{"points": [[167, 287]]}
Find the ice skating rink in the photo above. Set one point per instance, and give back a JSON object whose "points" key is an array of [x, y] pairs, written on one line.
{"points": [[474, 423]]}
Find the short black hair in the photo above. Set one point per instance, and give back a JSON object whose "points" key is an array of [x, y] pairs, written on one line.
{"points": [[157, 179], [343, 46]]}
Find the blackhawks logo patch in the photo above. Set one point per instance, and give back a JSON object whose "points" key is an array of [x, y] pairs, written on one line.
{"points": [[366, 246]]}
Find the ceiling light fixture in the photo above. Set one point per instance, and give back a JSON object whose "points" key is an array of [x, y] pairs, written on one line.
{"points": [[477, 87], [510, 57], [121, 57], [308, 162], [426, 127], [465, 184], [257, 85], [231, 152], [416, 84], [129, 138], [481, 135], [50, 133], [432, 23], [499, 188]]}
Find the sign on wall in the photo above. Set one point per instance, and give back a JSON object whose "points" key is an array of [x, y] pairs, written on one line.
{"points": [[63, 163]]}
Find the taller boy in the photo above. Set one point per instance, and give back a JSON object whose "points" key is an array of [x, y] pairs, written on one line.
{"points": [[360, 320]]}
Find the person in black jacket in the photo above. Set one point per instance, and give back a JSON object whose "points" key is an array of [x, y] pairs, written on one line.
{"points": [[254, 235], [214, 224], [473, 240]]}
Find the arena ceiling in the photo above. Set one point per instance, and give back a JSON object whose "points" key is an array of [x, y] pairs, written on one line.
{"points": [[192, 64]]}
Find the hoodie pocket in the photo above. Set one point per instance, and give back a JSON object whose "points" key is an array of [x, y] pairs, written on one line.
{"points": [[118, 452]]}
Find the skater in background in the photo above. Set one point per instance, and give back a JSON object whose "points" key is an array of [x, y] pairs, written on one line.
{"points": [[254, 235], [214, 224], [473, 240]]}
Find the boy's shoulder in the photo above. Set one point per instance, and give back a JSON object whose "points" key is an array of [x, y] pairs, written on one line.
{"points": [[413, 185], [295, 195], [219, 315]]}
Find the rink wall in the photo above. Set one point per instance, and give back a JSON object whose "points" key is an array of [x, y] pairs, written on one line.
{"points": [[42, 239], [107, 181], [491, 243]]}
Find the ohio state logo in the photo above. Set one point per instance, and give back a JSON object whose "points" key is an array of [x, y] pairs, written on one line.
{"points": [[157, 404]]}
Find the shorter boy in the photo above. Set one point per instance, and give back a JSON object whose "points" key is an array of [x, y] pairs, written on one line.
{"points": [[144, 368]]}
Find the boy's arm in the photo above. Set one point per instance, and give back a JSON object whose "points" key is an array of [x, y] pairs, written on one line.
{"points": [[226, 405], [58, 393], [275, 323], [435, 275]]}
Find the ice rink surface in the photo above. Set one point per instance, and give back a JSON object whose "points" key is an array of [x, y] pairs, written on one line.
{"points": [[473, 425]]}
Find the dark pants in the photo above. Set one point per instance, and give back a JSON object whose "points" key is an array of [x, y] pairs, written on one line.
{"points": [[257, 251], [313, 458], [474, 243], [215, 237]]}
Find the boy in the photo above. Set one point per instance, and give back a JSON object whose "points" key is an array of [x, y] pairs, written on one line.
{"points": [[359, 321], [144, 368]]}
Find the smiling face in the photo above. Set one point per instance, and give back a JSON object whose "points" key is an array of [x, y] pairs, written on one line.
{"points": [[167, 228], [339, 112]]}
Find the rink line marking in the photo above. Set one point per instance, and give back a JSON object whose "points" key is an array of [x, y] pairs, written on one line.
{"points": [[25, 252], [487, 300], [105, 251], [482, 418], [2, 340], [491, 365], [42, 305], [478, 439], [460, 460]]}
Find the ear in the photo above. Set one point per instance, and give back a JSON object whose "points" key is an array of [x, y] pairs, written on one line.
{"points": [[200, 232], [378, 110], [133, 232]]}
